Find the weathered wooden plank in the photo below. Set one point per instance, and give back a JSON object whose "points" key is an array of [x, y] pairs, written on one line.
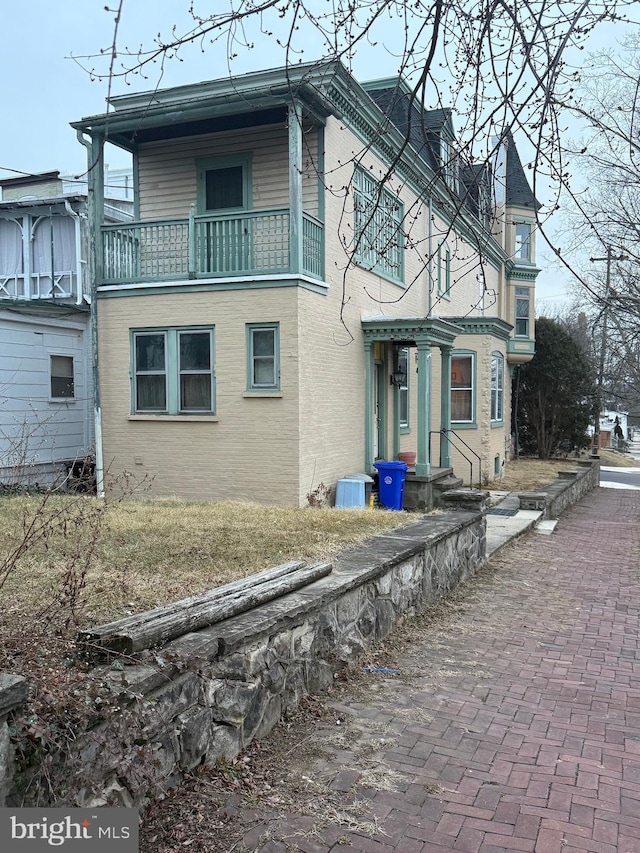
{"points": [[204, 597], [133, 633]]}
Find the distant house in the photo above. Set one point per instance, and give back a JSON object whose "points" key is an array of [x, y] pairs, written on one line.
{"points": [[302, 293], [614, 429], [46, 388]]}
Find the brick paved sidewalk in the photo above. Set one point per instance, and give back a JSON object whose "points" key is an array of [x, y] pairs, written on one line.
{"points": [[512, 725]]}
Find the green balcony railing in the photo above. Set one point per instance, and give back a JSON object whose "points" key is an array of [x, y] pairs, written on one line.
{"points": [[239, 244]]}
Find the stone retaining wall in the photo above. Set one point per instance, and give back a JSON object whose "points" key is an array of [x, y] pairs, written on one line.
{"points": [[571, 486], [565, 491], [208, 694]]}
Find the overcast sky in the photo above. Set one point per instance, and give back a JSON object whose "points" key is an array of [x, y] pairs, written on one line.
{"points": [[43, 88]]}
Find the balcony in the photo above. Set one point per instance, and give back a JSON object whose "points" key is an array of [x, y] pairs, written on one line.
{"points": [[209, 246], [63, 284]]}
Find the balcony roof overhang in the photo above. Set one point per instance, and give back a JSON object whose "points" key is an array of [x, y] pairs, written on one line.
{"points": [[245, 101], [481, 325], [431, 331]]}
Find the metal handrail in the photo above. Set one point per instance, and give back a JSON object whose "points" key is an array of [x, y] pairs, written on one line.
{"points": [[442, 432]]}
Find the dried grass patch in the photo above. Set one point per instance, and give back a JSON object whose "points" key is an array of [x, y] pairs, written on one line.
{"points": [[528, 474], [150, 553]]}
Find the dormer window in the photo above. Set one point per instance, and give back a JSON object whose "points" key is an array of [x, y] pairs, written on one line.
{"points": [[447, 161]]}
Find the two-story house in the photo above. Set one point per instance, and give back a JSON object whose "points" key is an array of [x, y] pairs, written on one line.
{"points": [[314, 280], [46, 384]]}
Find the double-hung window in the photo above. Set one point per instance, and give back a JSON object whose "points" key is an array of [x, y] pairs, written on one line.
{"points": [[263, 357], [378, 216], [522, 307], [173, 371], [444, 270], [497, 387], [462, 375], [523, 241]]}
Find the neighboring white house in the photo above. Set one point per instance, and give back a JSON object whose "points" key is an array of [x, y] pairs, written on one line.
{"points": [[610, 435], [46, 388]]}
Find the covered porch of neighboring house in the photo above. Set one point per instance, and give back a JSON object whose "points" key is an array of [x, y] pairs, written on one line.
{"points": [[384, 339]]}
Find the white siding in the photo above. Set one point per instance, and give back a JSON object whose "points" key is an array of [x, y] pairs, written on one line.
{"points": [[34, 429]]}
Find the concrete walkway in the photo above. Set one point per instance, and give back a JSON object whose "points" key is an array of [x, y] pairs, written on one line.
{"points": [[509, 723], [506, 521]]}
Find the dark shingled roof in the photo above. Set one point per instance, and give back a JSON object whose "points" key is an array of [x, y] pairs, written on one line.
{"points": [[425, 124], [518, 190], [424, 136]]}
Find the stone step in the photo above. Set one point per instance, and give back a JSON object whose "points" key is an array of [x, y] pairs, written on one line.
{"points": [[448, 483], [547, 526]]}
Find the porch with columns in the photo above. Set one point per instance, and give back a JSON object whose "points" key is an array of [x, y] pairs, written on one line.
{"points": [[423, 334]]}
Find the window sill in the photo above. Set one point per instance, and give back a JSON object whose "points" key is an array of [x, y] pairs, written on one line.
{"points": [[62, 400], [162, 417], [497, 424], [382, 273], [463, 425], [250, 394]]}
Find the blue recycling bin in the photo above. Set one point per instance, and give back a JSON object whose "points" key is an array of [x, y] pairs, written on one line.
{"points": [[391, 477]]}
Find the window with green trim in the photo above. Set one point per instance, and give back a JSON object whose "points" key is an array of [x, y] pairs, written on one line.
{"points": [[224, 183], [523, 241], [497, 387], [448, 163], [173, 371], [403, 390], [378, 216], [462, 391], [263, 357], [522, 308], [444, 270]]}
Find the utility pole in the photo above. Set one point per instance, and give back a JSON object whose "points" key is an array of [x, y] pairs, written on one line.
{"points": [[595, 446]]}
